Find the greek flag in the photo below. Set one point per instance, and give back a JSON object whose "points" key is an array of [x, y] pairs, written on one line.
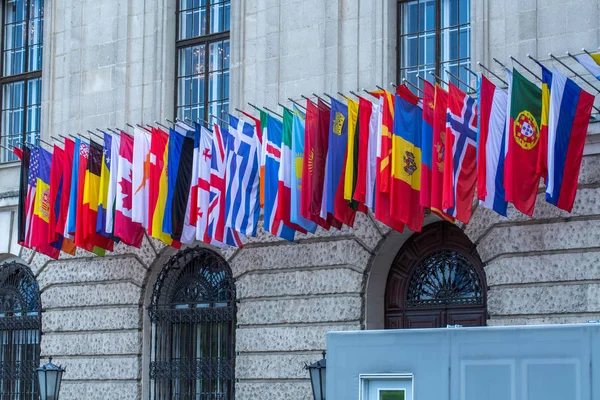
{"points": [[242, 197]]}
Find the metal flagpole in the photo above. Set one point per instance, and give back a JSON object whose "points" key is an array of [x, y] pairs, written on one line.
{"points": [[525, 68], [296, 103], [369, 93], [438, 78], [273, 112], [413, 85], [320, 98], [492, 73], [579, 76], [307, 99], [284, 107], [218, 119], [460, 80]]}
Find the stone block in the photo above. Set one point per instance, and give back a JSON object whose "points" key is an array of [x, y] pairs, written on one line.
{"points": [[290, 310], [97, 390], [273, 390], [91, 295], [544, 268], [505, 240], [590, 170], [527, 25], [287, 338], [97, 343], [345, 252], [310, 282], [98, 369], [92, 319], [146, 254], [273, 366], [555, 21], [95, 270], [586, 204], [556, 299]]}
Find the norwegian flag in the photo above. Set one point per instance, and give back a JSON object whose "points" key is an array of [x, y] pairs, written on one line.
{"points": [[218, 182], [460, 155]]}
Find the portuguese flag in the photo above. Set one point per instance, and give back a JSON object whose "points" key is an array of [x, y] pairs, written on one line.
{"points": [[521, 175]]}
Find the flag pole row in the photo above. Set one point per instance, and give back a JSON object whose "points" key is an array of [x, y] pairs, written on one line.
{"points": [[315, 164]]}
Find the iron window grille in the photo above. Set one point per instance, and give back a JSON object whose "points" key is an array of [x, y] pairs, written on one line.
{"points": [[20, 324], [21, 73], [202, 59], [444, 278], [434, 36], [193, 315]]}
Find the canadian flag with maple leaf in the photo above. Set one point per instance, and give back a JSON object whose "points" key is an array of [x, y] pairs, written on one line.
{"points": [[131, 233]]}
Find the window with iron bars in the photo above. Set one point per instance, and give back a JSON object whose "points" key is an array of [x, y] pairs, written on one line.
{"points": [[202, 63], [20, 324], [193, 315], [434, 36], [21, 73]]}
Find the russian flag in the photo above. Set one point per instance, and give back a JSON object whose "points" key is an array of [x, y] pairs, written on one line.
{"points": [[570, 110], [493, 103], [427, 143]]}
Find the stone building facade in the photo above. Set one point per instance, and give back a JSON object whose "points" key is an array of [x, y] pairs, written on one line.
{"points": [[109, 62]]}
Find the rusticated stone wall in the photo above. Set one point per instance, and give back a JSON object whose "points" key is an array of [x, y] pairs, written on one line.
{"points": [[544, 269]]}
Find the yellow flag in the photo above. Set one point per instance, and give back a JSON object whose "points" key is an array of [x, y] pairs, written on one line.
{"points": [[349, 175]]}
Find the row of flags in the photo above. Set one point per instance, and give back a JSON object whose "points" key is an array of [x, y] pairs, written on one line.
{"points": [[392, 153]]}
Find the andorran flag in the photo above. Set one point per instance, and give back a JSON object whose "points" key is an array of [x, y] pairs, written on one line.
{"points": [[521, 175], [406, 164]]}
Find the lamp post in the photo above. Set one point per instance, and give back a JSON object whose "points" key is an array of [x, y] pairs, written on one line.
{"points": [[49, 378], [317, 373]]}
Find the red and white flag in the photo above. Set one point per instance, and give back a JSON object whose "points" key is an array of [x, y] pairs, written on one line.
{"points": [[141, 176], [131, 233], [218, 183], [203, 184]]}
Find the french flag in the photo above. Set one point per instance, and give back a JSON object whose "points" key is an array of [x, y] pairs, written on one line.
{"points": [[569, 117], [493, 103]]}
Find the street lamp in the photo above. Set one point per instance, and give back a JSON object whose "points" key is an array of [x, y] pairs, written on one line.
{"points": [[317, 378], [49, 378]]}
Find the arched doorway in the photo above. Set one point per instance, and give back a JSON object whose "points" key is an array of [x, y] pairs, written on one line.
{"points": [[192, 314], [437, 279]]}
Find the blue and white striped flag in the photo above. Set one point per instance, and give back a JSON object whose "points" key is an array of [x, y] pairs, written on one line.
{"points": [[242, 205]]}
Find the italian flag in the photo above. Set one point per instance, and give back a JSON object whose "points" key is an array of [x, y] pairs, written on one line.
{"points": [[286, 168]]}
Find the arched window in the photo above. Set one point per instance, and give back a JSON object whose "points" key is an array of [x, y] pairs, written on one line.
{"points": [[21, 73], [193, 328], [437, 279], [20, 323]]}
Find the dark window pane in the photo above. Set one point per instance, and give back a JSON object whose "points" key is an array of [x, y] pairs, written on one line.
{"points": [[219, 15], [410, 17], [465, 12], [427, 15], [449, 13], [465, 41]]}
